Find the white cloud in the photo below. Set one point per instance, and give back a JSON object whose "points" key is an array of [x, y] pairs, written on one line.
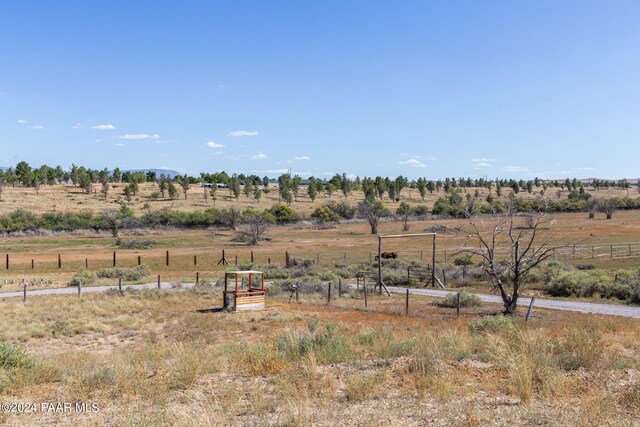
{"points": [[103, 127], [260, 156], [22, 122], [243, 133], [77, 126], [139, 136], [212, 144], [36, 127], [514, 169], [217, 153], [118, 144], [482, 162], [413, 163], [302, 158]]}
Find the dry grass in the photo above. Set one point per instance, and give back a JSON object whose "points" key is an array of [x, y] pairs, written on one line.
{"points": [[148, 359]]}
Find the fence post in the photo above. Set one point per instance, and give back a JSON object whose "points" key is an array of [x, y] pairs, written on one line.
{"points": [[406, 304], [79, 289], [120, 284], [195, 260], [7, 261], [269, 261], [24, 298], [408, 275], [197, 277], [530, 307], [236, 259], [297, 294], [286, 259], [444, 277], [114, 258], [167, 261], [458, 305], [59, 261], [345, 258], [252, 257], [158, 281], [32, 264], [86, 263], [139, 260], [365, 295], [592, 251], [329, 294]]}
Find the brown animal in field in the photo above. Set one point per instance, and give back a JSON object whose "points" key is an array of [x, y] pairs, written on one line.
{"points": [[388, 255]]}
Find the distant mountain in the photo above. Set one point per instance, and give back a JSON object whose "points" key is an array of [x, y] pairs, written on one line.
{"points": [[166, 172]]}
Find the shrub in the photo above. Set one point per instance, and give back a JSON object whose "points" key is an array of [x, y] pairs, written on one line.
{"points": [[83, 276], [464, 259], [135, 244], [490, 324], [579, 284], [343, 209], [283, 213], [135, 273], [420, 210], [324, 214], [585, 266], [466, 300]]}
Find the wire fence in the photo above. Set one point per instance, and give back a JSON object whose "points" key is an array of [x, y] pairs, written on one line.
{"points": [[179, 260]]}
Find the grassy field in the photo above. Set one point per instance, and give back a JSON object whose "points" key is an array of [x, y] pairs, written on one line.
{"points": [[148, 359], [330, 245], [67, 198]]}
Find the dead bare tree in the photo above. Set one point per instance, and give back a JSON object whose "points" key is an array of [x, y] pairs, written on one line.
{"points": [[255, 227], [607, 206], [509, 253]]}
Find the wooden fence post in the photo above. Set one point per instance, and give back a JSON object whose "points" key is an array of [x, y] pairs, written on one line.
{"points": [[458, 305], [79, 289], [444, 277], [297, 294], [197, 277], [114, 258], [7, 261], [158, 281], [365, 295], [406, 304], [252, 257], [33, 265], [329, 294], [167, 261], [530, 307], [120, 284], [86, 263], [195, 260], [236, 259], [59, 261], [24, 298], [139, 260]]}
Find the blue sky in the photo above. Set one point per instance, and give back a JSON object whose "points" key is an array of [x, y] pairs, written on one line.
{"points": [[414, 88]]}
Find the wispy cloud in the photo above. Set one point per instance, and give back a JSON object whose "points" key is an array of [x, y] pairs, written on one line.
{"points": [[217, 153], [103, 127], [414, 163], [22, 122], [302, 158], [119, 144], [514, 169], [482, 162], [260, 156], [36, 127], [77, 126], [212, 144], [139, 136], [243, 133]]}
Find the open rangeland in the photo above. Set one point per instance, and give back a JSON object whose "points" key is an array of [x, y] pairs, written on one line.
{"points": [[70, 198], [329, 244], [147, 358]]}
